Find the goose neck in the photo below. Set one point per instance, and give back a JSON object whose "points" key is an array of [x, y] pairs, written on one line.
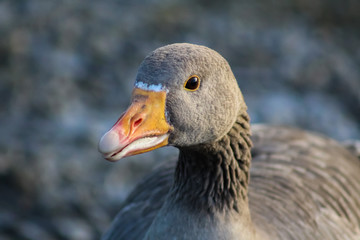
{"points": [[214, 176]]}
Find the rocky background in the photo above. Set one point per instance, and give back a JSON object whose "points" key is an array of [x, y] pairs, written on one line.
{"points": [[67, 70]]}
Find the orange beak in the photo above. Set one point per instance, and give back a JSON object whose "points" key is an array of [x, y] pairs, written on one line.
{"points": [[142, 128]]}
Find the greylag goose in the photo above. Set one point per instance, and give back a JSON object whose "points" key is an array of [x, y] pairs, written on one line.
{"points": [[303, 185]]}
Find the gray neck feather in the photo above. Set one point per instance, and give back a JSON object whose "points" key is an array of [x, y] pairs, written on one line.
{"points": [[214, 177]]}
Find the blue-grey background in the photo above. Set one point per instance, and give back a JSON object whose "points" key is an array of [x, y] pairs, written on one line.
{"points": [[67, 70]]}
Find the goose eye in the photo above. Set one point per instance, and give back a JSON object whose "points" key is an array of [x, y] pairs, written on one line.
{"points": [[192, 84]]}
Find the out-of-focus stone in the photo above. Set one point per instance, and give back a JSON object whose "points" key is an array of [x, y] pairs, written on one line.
{"points": [[72, 228]]}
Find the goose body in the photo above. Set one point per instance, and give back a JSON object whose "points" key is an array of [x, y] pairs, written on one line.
{"points": [[230, 181]]}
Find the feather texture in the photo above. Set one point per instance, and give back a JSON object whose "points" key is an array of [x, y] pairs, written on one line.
{"points": [[302, 186]]}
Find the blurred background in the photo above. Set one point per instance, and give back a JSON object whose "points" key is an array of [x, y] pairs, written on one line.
{"points": [[67, 69]]}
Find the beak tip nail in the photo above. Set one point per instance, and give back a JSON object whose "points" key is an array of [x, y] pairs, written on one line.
{"points": [[109, 142]]}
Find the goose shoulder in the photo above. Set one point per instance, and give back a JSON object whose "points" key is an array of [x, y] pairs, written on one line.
{"points": [[306, 185]]}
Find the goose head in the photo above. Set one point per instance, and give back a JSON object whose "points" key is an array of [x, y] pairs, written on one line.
{"points": [[184, 95]]}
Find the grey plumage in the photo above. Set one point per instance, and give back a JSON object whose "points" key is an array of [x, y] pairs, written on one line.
{"points": [[170, 66], [302, 185], [312, 188]]}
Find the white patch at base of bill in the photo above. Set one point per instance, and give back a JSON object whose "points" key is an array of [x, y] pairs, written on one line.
{"points": [[150, 87]]}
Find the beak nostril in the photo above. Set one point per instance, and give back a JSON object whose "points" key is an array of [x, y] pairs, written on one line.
{"points": [[137, 122]]}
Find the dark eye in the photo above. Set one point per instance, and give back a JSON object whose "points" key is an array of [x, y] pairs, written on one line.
{"points": [[192, 84]]}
